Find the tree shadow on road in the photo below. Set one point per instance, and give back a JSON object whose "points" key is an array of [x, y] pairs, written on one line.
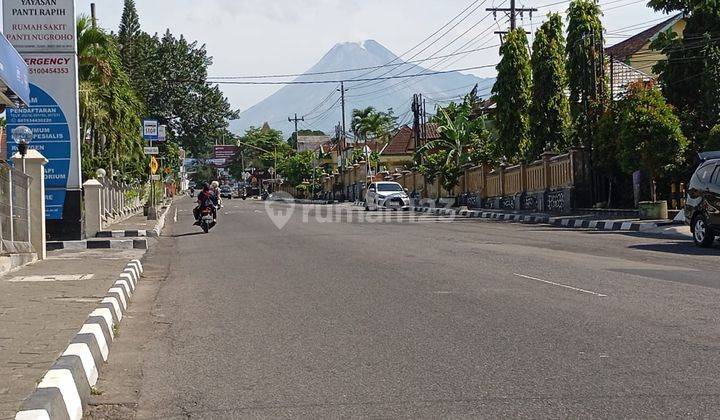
{"points": [[685, 248], [188, 234]]}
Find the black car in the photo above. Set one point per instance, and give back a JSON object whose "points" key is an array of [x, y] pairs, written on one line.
{"points": [[702, 208]]}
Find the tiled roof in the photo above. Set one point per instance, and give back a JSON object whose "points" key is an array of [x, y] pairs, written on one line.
{"points": [[622, 50], [402, 142]]}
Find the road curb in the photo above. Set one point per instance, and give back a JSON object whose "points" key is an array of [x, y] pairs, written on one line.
{"points": [[135, 243], [157, 230], [562, 222], [64, 391], [122, 233]]}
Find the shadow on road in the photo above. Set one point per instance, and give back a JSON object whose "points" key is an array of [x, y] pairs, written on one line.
{"points": [[188, 234], [686, 248]]}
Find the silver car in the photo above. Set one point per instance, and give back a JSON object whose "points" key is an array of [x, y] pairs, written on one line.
{"points": [[389, 195]]}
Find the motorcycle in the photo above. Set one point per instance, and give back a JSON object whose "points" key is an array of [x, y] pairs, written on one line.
{"points": [[207, 221]]}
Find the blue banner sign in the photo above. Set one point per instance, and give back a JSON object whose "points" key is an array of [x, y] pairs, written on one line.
{"points": [[14, 73], [51, 136]]}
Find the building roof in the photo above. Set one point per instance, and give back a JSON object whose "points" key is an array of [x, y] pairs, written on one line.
{"points": [[622, 50], [402, 142], [311, 142]]}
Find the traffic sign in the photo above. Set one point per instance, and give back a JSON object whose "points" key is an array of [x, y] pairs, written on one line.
{"points": [[154, 165], [162, 133], [155, 178], [150, 130], [152, 150]]}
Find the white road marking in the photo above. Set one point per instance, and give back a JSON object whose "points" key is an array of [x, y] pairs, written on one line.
{"points": [[51, 278], [577, 289]]}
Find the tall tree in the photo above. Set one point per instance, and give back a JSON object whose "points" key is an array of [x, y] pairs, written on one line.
{"points": [[512, 95], [690, 75], [585, 69], [127, 35], [549, 111]]}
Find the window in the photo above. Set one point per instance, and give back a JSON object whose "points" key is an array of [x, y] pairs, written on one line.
{"points": [[389, 187], [716, 177], [704, 172]]}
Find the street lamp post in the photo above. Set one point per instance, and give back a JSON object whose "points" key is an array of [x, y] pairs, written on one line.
{"points": [[22, 136]]}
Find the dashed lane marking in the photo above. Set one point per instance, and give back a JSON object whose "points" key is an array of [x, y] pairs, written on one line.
{"points": [[577, 289]]}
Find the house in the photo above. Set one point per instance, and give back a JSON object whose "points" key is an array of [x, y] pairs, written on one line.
{"points": [[400, 150], [305, 143], [636, 52]]}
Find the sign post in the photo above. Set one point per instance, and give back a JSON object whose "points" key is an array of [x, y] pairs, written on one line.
{"points": [[150, 132], [43, 32]]}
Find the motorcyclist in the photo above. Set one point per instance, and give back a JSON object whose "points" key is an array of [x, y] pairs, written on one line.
{"points": [[206, 198], [215, 186]]}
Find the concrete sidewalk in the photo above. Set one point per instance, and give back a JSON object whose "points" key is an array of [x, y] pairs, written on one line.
{"points": [[41, 307]]}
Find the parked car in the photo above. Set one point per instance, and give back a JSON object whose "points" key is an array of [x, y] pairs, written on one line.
{"points": [[226, 192], [702, 206], [390, 195]]}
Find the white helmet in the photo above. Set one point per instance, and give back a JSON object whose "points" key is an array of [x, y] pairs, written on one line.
{"points": [[215, 184]]}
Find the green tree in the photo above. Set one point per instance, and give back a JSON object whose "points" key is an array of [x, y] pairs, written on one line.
{"points": [[512, 95], [649, 134], [432, 166], [549, 111], [128, 34], [170, 76], [369, 122], [109, 109], [299, 167], [690, 75], [585, 69]]}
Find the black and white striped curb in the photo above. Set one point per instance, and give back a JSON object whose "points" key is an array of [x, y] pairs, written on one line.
{"points": [[157, 230], [565, 222], [122, 234], [98, 244], [64, 391]]}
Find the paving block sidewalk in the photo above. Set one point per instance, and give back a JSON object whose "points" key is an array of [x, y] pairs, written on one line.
{"points": [[41, 308]]}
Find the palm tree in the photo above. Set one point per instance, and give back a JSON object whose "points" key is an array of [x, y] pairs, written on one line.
{"points": [[110, 111], [92, 43]]}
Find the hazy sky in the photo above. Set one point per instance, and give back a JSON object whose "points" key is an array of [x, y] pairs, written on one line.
{"points": [[284, 36]]}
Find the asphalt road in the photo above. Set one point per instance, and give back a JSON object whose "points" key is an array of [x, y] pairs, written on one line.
{"points": [[420, 317]]}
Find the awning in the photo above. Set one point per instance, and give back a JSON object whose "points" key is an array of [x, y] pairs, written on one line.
{"points": [[14, 77]]}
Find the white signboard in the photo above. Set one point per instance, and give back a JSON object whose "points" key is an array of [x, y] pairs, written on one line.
{"points": [[150, 130], [162, 133], [155, 177], [152, 150], [46, 26]]}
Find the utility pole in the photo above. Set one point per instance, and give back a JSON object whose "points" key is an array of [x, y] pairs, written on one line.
{"points": [[341, 140], [93, 15], [296, 119], [416, 110], [512, 13]]}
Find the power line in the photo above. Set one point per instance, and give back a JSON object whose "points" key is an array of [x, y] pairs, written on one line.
{"points": [[438, 39], [274, 76], [427, 38], [311, 82]]}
